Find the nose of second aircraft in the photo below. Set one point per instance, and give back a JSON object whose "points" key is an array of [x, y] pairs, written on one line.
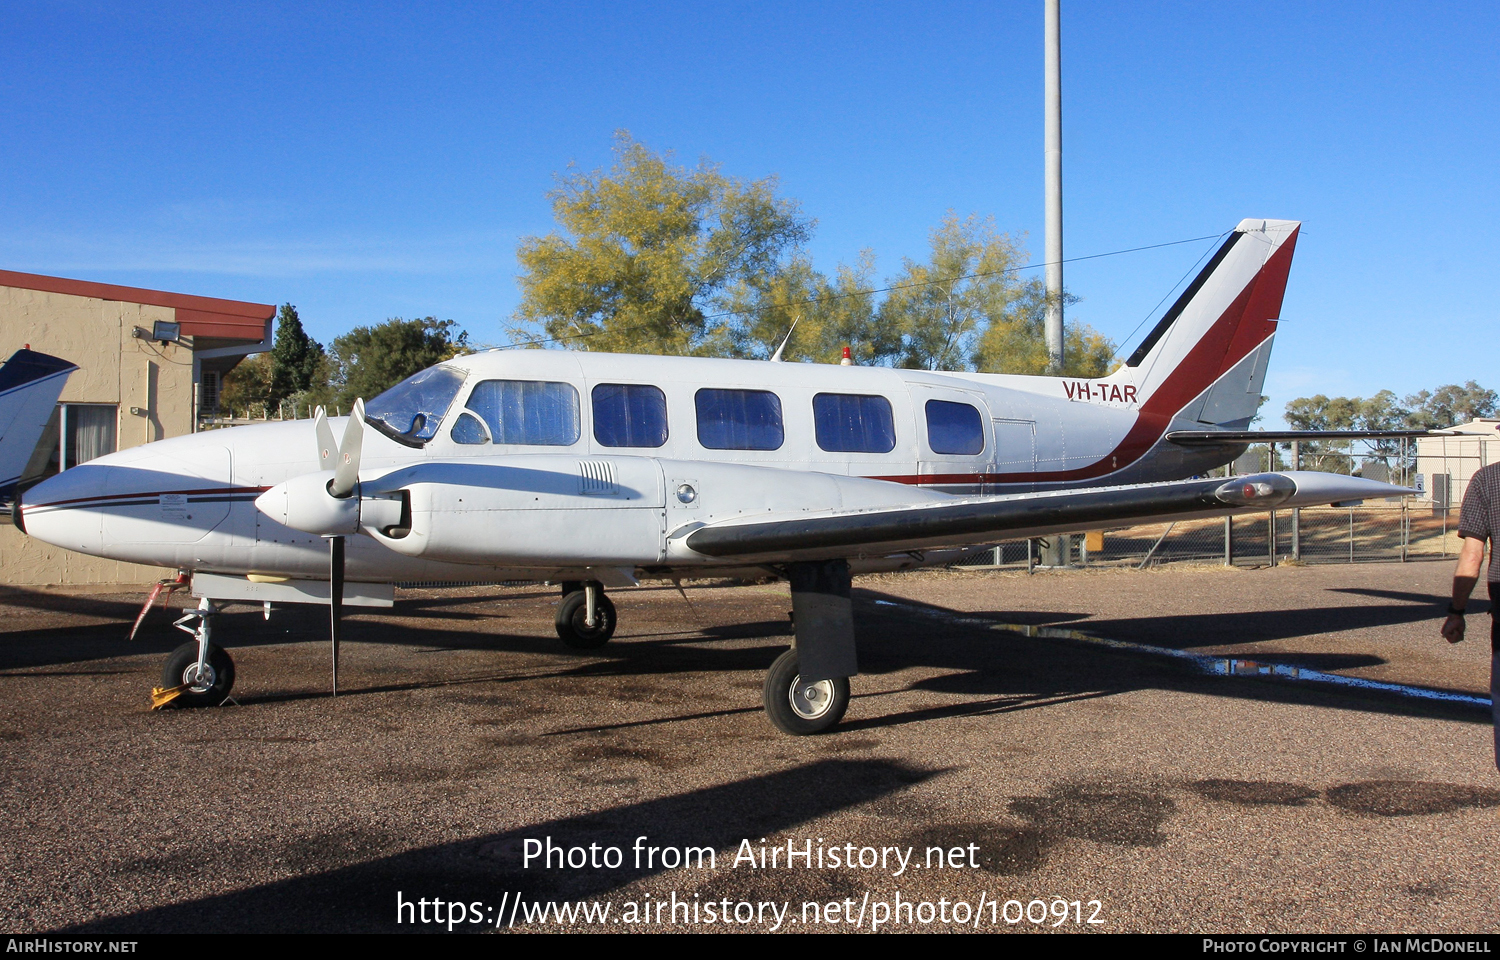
{"points": [[65, 510]]}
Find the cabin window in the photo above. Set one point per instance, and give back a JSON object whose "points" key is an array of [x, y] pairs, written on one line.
{"points": [[468, 429], [412, 410], [954, 428], [854, 423], [533, 412], [629, 415], [739, 419]]}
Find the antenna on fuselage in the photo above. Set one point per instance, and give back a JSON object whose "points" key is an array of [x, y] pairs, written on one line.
{"points": [[776, 357]]}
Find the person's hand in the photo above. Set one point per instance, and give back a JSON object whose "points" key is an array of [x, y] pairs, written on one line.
{"points": [[1453, 628]]}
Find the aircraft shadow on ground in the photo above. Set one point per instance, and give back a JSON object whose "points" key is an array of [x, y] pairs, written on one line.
{"points": [[1009, 671], [1002, 671], [362, 896]]}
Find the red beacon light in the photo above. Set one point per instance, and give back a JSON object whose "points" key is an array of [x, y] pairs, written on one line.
{"points": [[846, 360]]}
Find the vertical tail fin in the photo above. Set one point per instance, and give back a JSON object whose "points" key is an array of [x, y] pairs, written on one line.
{"points": [[1224, 321]]}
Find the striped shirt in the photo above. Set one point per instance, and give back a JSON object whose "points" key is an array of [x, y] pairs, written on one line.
{"points": [[1481, 511]]}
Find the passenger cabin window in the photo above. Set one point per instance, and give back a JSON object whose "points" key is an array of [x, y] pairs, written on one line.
{"points": [[854, 423], [533, 412], [954, 428], [739, 419], [629, 415]]}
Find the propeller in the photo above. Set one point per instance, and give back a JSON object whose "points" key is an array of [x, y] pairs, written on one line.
{"points": [[343, 486]]}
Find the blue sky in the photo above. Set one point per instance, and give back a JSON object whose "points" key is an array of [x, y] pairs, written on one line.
{"points": [[369, 160]]}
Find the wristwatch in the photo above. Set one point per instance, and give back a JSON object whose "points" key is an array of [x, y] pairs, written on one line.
{"points": [[1454, 611]]}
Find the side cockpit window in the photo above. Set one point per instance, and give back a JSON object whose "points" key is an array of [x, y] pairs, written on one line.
{"points": [[954, 428], [412, 410], [529, 412], [629, 415]]}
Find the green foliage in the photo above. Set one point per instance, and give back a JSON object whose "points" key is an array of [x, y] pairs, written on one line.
{"points": [[368, 360], [1450, 405], [656, 258], [296, 359], [829, 314], [247, 387], [647, 248], [1447, 406]]}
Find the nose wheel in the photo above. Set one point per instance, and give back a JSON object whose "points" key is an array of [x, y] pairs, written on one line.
{"points": [[198, 673], [585, 617], [802, 707], [205, 684]]}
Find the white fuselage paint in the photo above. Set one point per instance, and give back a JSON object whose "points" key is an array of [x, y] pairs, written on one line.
{"points": [[511, 510]]}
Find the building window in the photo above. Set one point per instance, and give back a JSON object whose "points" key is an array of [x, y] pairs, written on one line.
{"points": [[853, 423], [739, 419], [954, 428], [89, 430], [535, 412], [629, 415]]}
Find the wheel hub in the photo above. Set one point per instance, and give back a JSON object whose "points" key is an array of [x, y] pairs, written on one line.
{"points": [[199, 680], [811, 700]]}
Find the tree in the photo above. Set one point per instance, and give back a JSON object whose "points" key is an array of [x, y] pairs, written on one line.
{"points": [[1450, 405], [647, 249], [247, 387], [296, 359], [966, 308], [368, 360], [829, 314]]}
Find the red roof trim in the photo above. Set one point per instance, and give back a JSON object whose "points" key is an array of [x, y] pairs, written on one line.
{"points": [[199, 316]]}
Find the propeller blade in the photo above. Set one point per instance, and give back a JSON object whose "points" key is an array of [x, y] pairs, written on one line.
{"points": [[335, 599], [328, 448], [346, 472]]}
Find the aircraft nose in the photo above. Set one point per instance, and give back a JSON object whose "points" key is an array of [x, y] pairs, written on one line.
{"points": [[66, 510]]}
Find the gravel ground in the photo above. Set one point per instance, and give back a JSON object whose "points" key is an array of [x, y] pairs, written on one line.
{"points": [[1109, 785]]}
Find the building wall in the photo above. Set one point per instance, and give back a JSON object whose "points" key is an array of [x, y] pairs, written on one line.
{"points": [[1458, 456], [113, 367]]}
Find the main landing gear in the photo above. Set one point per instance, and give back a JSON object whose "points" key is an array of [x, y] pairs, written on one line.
{"points": [[198, 673], [798, 706], [585, 617]]}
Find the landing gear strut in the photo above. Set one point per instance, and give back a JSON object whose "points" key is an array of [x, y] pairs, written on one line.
{"points": [[585, 617], [198, 673]]}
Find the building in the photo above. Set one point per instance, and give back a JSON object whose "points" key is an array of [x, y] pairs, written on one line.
{"points": [[1446, 463], [149, 364]]}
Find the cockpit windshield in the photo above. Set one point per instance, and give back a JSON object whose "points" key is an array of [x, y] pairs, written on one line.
{"points": [[411, 411]]}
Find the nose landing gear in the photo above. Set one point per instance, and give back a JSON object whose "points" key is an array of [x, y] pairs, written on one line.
{"points": [[198, 673], [585, 617]]}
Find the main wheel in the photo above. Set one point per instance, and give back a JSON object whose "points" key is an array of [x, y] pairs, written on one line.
{"points": [[800, 707], [208, 689], [572, 613]]}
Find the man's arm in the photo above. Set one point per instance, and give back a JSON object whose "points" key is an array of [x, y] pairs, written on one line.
{"points": [[1470, 557]]}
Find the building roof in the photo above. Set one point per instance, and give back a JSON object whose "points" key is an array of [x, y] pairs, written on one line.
{"points": [[207, 317]]}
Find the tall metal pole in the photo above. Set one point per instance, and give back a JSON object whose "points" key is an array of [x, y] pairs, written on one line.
{"points": [[1059, 548], [1054, 189]]}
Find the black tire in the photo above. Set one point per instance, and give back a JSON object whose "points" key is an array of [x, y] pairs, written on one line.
{"points": [[572, 628], [179, 670], [803, 708]]}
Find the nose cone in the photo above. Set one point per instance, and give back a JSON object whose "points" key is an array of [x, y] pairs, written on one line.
{"points": [[65, 510]]}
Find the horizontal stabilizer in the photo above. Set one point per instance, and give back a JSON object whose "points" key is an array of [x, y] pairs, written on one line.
{"points": [[1192, 438]]}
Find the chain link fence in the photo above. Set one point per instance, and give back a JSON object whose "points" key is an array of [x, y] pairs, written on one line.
{"points": [[1386, 532]]}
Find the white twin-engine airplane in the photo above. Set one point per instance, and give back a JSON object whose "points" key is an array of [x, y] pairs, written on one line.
{"points": [[598, 470]]}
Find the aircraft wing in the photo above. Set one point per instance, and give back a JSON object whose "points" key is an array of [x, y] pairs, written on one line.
{"points": [[890, 529]]}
